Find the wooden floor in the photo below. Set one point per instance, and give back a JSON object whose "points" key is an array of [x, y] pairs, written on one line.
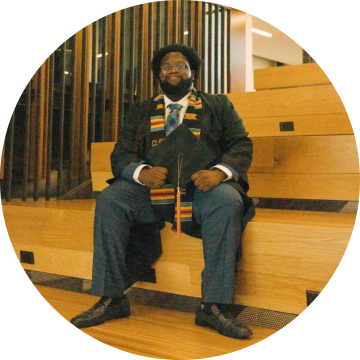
{"points": [[152, 331]]}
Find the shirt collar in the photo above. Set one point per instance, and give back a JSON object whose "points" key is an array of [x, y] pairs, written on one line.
{"points": [[184, 101]]}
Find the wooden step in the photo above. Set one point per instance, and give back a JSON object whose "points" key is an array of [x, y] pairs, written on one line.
{"points": [[58, 233], [299, 101], [297, 167], [289, 76], [285, 253]]}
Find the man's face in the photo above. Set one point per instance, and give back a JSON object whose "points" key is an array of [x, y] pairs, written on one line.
{"points": [[174, 80]]}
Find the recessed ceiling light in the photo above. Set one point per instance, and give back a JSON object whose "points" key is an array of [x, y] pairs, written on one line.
{"points": [[260, 32]]}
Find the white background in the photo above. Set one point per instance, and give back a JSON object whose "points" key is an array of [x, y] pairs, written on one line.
{"points": [[32, 30]]}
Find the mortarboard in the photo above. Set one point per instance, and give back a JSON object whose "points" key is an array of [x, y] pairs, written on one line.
{"points": [[195, 154]]}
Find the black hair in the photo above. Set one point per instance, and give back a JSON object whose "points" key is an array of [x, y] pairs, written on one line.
{"points": [[188, 52]]}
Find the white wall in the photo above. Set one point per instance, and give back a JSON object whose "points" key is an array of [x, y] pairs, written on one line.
{"points": [[278, 48]]}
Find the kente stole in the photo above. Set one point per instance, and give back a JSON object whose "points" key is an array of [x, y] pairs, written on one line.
{"points": [[164, 198]]}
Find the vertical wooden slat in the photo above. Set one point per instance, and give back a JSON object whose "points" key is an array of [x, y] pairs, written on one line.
{"points": [[9, 157], [112, 110], [131, 56], [203, 44], [77, 90], [86, 147], [83, 104], [33, 120], [145, 53], [158, 26], [117, 75], [61, 121], [44, 134], [150, 48], [197, 26], [103, 79], [157, 41], [182, 21], [228, 78], [223, 51], [109, 80], [190, 8], [174, 21], [114, 76], [140, 43], [216, 54], [122, 67], [49, 128], [167, 38], [37, 136], [196, 23], [71, 123], [209, 47], [26, 154], [94, 52]]}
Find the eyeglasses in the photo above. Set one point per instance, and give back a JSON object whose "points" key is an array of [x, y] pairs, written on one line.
{"points": [[178, 66]]}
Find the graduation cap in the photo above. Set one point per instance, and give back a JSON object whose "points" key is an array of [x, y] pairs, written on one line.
{"points": [[181, 143]]}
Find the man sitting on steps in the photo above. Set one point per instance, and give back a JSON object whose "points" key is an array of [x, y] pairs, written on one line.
{"points": [[217, 207]]}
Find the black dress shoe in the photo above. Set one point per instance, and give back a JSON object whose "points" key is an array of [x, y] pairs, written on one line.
{"points": [[220, 320], [102, 311]]}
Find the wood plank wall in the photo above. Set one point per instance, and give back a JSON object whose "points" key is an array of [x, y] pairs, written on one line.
{"points": [[82, 92]]}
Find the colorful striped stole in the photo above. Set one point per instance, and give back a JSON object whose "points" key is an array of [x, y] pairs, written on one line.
{"points": [[165, 196]]}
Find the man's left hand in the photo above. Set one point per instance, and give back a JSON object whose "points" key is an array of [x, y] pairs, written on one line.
{"points": [[206, 180]]}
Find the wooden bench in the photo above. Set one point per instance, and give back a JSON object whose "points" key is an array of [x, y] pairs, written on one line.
{"points": [[285, 252]]}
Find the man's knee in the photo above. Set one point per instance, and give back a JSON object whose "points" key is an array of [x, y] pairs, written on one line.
{"points": [[120, 191], [224, 197], [107, 195]]}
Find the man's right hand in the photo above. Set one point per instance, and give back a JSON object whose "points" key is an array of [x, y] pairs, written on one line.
{"points": [[153, 177]]}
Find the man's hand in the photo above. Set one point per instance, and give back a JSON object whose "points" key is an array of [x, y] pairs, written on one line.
{"points": [[206, 180], [153, 177]]}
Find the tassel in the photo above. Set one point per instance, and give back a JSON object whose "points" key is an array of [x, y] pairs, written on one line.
{"points": [[178, 198], [178, 213]]}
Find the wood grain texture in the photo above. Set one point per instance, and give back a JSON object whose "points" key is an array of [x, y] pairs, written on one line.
{"points": [[285, 260], [58, 228], [289, 76], [300, 167], [100, 156], [152, 331], [58, 261], [98, 179], [100, 166], [305, 186], [321, 124], [285, 252], [300, 101], [178, 271], [306, 155]]}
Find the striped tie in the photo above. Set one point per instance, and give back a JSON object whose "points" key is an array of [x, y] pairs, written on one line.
{"points": [[173, 118]]}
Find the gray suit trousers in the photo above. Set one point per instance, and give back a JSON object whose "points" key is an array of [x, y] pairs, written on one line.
{"points": [[126, 203]]}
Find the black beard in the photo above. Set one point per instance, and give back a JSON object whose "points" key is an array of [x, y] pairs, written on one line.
{"points": [[182, 87]]}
